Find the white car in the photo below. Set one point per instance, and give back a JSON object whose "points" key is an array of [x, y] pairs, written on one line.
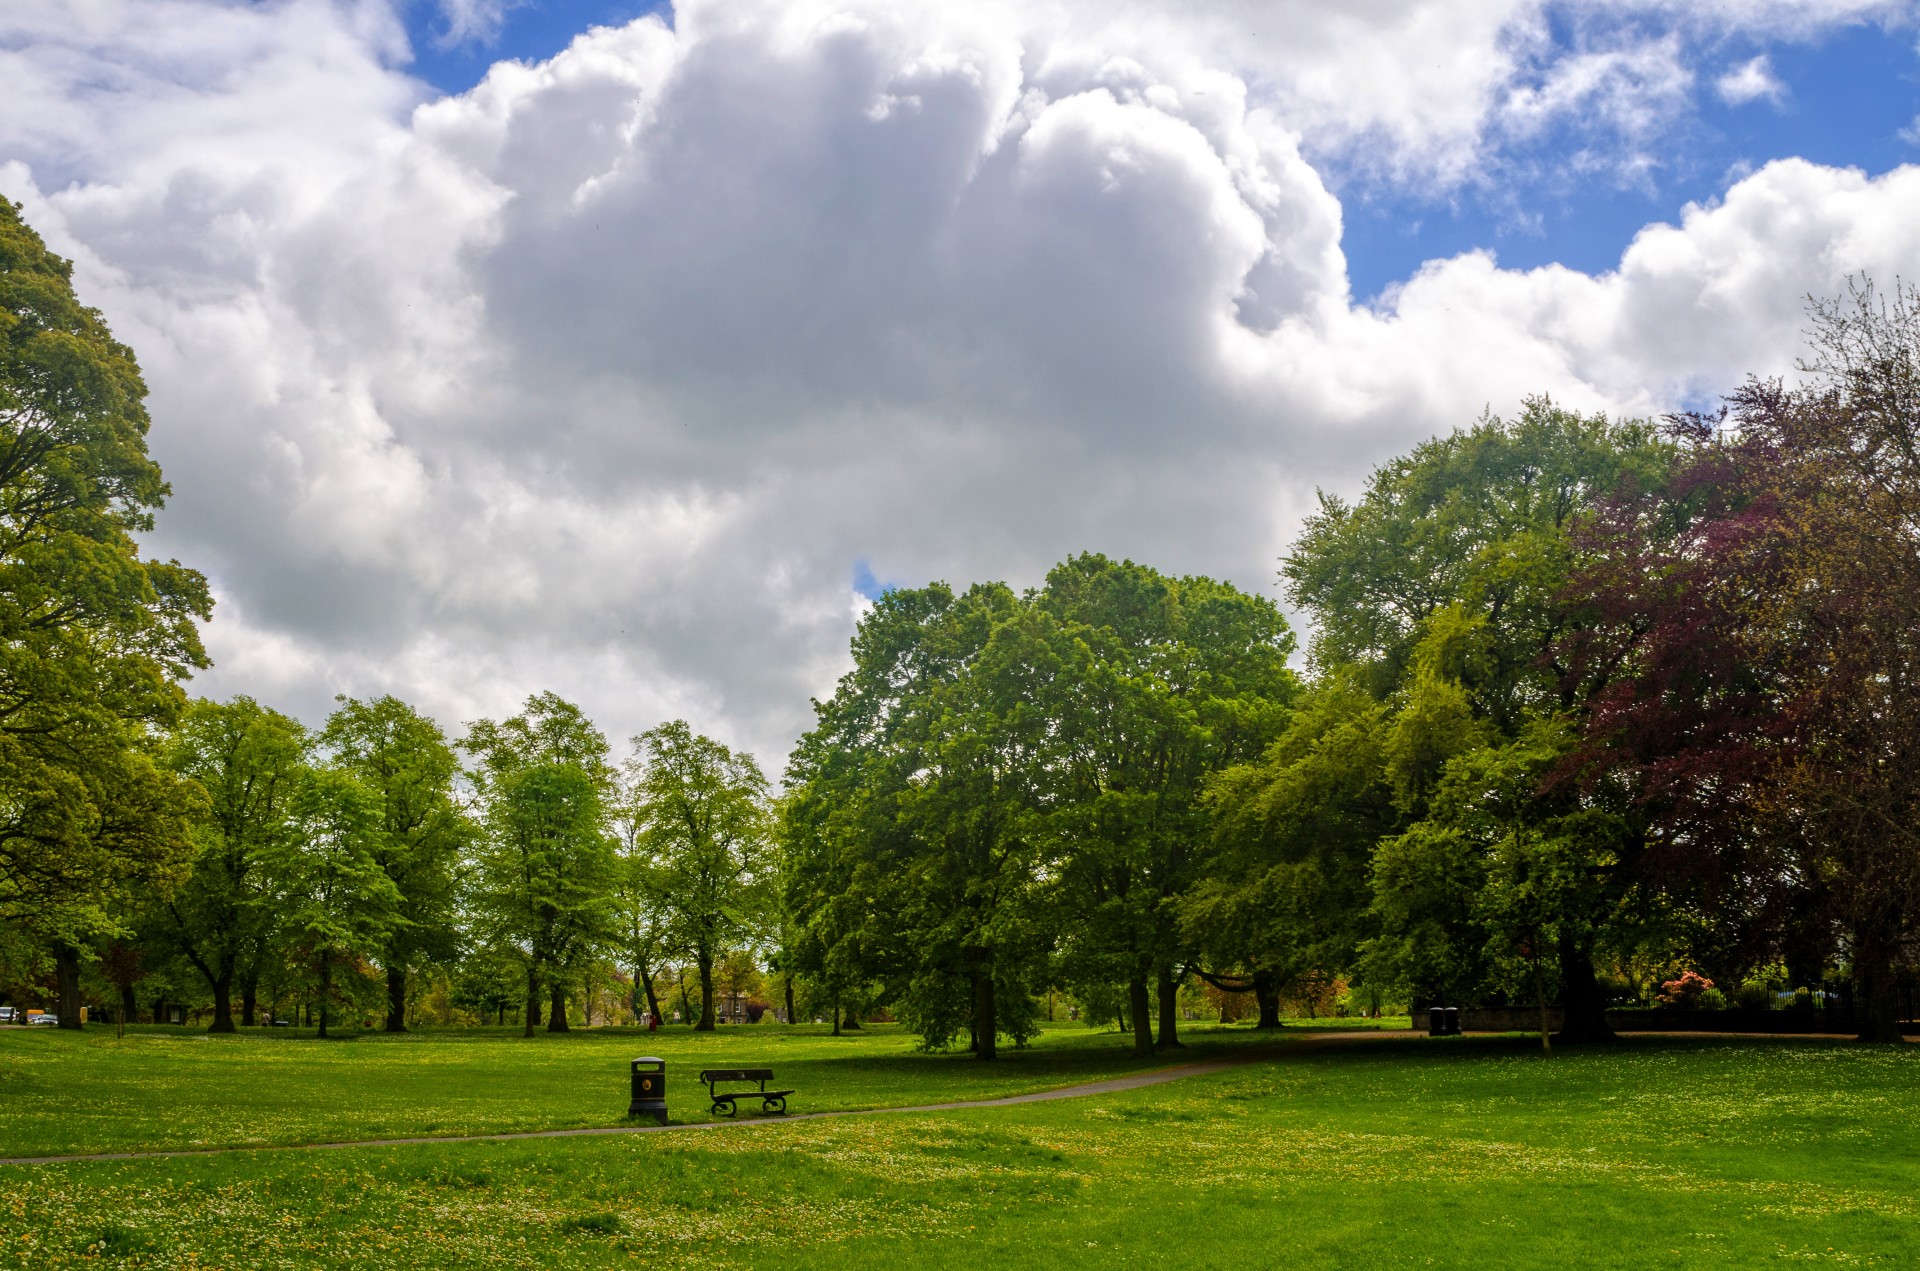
{"points": [[43, 1019], [9, 1014]]}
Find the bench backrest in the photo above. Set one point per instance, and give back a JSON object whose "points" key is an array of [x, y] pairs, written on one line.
{"points": [[736, 1074]]}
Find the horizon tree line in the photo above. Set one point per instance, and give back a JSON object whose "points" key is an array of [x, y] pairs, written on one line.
{"points": [[1584, 697]]}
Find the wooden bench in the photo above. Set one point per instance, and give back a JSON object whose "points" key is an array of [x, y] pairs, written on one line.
{"points": [[726, 1105]]}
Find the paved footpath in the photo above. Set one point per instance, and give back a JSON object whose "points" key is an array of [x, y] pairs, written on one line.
{"points": [[1113, 1085]]}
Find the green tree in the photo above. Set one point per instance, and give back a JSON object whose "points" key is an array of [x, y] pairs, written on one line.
{"points": [[1448, 587], [707, 828], [252, 763], [546, 870], [912, 848], [404, 759], [338, 905], [94, 640], [643, 917], [1159, 684], [1284, 886]]}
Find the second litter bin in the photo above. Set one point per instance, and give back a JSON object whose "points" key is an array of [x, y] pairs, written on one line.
{"points": [[649, 1089]]}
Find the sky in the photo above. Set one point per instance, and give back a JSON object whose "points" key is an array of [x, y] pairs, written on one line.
{"points": [[627, 350]]}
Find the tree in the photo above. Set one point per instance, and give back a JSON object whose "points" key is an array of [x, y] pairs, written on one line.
{"points": [[94, 640], [912, 848], [338, 904], [643, 917], [404, 760], [1771, 633], [252, 763], [1465, 549], [546, 869], [1283, 886], [1162, 684], [707, 826]]}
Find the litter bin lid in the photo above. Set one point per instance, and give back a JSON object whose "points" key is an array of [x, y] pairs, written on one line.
{"points": [[651, 1059]]}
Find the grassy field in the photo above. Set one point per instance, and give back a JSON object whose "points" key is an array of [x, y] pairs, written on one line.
{"points": [[91, 1091], [1398, 1152]]}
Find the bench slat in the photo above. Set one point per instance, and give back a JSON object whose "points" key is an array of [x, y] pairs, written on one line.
{"points": [[712, 1075]]}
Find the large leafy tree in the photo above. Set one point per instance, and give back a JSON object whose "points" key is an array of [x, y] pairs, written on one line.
{"points": [[94, 640], [1768, 620], [913, 857], [251, 762], [338, 905], [707, 833], [643, 918], [1284, 882], [404, 759], [546, 871], [1450, 576], [1159, 684]]}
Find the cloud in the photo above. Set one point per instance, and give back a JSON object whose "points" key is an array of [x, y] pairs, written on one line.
{"points": [[473, 21], [1749, 82], [627, 373]]}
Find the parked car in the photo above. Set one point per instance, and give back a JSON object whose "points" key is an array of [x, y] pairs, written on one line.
{"points": [[43, 1018], [9, 1014]]}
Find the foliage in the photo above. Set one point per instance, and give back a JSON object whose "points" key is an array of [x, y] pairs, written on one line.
{"points": [[252, 762], [93, 639], [706, 826], [403, 759]]}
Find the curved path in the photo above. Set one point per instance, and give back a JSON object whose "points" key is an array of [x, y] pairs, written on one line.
{"points": [[1112, 1085]]}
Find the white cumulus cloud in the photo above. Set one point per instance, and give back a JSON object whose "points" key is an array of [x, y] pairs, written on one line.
{"points": [[610, 375]]}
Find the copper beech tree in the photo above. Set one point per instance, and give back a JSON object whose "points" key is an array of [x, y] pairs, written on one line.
{"points": [[1766, 609]]}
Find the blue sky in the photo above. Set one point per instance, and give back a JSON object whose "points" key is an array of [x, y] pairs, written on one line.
{"points": [[1848, 97]]}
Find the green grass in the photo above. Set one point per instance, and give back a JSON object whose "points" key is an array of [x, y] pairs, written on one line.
{"points": [[1468, 1152], [93, 1092]]}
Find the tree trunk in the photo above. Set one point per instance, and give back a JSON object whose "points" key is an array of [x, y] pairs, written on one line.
{"points": [[533, 1002], [326, 987], [1266, 993], [1142, 1010], [223, 1001], [1169, 1011], [792, 1018], [396, 999], [129, 1005], [1584, 1014], [836, 1020], [249, 1000], [1876, 990], [643, 981], [985, 1017], [706, 993], [66, 967], [557, 1007], [1540, 993], [853, 1020]]}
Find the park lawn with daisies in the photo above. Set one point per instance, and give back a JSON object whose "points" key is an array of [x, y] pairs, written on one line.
{"points": [[1400, 1151]]}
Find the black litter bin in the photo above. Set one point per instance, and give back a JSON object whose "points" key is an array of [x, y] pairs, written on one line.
{"points": [[1453, 1021], [1443, 1021], [649, 1089]]}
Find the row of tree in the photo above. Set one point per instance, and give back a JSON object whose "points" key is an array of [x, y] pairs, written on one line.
{"points": [[365, 847], [1585, 696]]}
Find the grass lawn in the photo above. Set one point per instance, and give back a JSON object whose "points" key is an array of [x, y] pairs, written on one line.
{"points": [[1401, 1152], [91, 1091]]}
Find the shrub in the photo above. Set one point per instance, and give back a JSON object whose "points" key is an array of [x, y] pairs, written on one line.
{"points": [[1755, 995], [1688, 991]]}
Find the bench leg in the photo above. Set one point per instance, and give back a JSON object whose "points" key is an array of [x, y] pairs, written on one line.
{"points": [[778, 1103]]}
